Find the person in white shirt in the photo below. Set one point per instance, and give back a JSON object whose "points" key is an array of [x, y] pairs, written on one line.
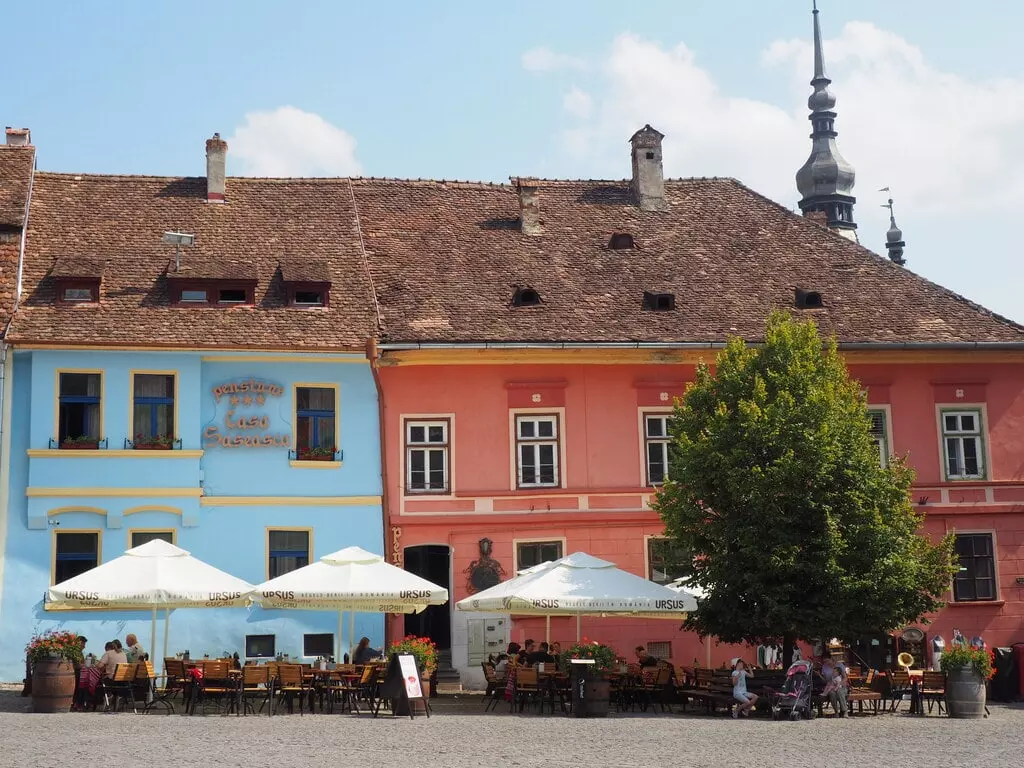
{"points": [[743, 697], [110, 659]]}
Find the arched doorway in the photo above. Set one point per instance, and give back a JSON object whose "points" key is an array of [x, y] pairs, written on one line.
{"points": [[433, 563]]}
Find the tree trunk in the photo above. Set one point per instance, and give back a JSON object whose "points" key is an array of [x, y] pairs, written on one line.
{"points": [[788, 646]]}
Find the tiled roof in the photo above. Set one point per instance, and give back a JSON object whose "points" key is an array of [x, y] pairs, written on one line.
{"points": [[124, 217], [79, 266], [447, 257], [15, 180]]}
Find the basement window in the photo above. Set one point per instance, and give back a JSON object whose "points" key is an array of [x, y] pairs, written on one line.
{"points": [[659, 302], [808, 299], [526, 297], [621, 241]]}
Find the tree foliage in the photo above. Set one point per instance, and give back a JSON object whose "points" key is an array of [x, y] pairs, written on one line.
{"points": [[775, 485]]}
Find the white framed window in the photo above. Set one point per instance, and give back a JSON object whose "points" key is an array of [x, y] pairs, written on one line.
{"points": [[666, 560], [962, 444], [536, 450], [976, 578], [880, 435], [656, 440], [427, 456], [531, 553]]}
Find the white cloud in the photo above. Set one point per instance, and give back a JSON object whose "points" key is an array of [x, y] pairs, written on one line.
{"points": [[577, 103], [290, 142], [545, 60], [951, 148]]}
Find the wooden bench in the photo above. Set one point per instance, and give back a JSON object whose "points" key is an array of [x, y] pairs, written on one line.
{"points": [[713, 689]]}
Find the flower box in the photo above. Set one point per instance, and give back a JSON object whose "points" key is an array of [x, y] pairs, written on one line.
{"points": [[316, 457], [151, 446], [80, 445]]}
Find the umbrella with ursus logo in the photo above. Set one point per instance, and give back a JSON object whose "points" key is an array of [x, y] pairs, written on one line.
{"points": [[581, 585], [353, 580], [154, 575]]}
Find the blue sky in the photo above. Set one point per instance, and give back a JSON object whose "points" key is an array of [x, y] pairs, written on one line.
{"points": [[931, 99]]}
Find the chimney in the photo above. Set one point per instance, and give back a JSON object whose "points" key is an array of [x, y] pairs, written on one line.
{"points": [[529, 207], [648, 176], [216, 159], [818, 217], [18, 137]]}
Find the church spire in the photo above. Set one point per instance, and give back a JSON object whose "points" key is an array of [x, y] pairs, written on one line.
{"points": [[825, 181], [894, 237]]}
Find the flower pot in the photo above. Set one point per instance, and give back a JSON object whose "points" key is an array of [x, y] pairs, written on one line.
{"points": [[152, 446], [965, 693], [316, 457], [53, 685], [91, 445]]}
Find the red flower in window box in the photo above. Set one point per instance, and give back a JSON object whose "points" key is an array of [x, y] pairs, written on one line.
{"points": [[83, 443], [316, 454], [153, 442]]}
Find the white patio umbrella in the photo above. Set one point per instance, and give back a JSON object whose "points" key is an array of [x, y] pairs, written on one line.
{"points": [[581, 585], [353, 580], [151, 576]]}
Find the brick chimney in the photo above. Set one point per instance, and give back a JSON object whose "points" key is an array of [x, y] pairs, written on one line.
{"points": [[529, 207], [216, 161], [648, 176], [18, 137]]}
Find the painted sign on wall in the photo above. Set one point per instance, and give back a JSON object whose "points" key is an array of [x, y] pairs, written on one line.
{"points": [[246, 423]]}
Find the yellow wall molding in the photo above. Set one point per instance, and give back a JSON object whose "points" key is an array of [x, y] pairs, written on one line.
{"points": [[315, 464], [66, 510], [118, 453], [152, 508], [289, 501], [142, 493]]}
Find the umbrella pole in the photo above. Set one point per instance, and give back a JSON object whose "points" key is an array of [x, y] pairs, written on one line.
{"points": [[152, 634], [578, 617], [337, 652], [547, 630], [351, 635], [707, 644], [167, 628]]}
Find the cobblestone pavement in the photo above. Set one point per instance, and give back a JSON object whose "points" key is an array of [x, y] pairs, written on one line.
{"points": [[461, 735]]}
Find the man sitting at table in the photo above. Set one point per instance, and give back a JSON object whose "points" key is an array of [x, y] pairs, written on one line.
{"points": [[133, 650], [645, 659], [540, 656]]}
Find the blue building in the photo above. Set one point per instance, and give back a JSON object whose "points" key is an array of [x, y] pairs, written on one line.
{"points": [[212, 390]]}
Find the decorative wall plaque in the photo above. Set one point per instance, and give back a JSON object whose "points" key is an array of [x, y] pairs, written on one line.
{"points": [[484, 572]]}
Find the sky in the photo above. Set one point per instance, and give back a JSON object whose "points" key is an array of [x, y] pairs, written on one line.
{"points": [[930, 99]]}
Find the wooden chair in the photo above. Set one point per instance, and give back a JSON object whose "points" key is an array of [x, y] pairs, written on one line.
{"points": [[120, 687], [899, 685], [345, 691], [495, 687], [527, 688], [217, 686], [256, 684], [933, 690], [291, 683]]}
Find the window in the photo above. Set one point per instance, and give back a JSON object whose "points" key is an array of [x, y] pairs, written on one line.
{"points": [[195, 295], [426, 456], [308, 299], [620, 241], [79, 409], [318, 645], [977, 577], [659, 302], [660, 650], [808, 299], [537, 451], [961, 438], [260, 646], [531, 553], [315, 421], [138, 538], [232, 295], [75, 552], [666, 560], [287, 551], [153, 407], [74, 294], [880, 436], [656, 439], [526, 297]]}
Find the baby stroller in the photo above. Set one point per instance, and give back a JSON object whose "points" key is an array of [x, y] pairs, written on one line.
{"points": [[795, 697]]}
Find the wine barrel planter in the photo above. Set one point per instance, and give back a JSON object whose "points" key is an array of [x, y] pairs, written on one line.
{"points": [[53, 685], [597, 697], [965, 693]]}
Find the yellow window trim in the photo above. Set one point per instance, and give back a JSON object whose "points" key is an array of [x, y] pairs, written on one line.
{"points": [[36, 492], [53, 547], [131, 531], [289, 501], [66, 510], [56, 398], [295, 411], [131, 403], [117, 453], [266, 546], [315, 464]]}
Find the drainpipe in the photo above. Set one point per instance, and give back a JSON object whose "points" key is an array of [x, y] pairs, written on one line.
{"points": [[373, 355]]}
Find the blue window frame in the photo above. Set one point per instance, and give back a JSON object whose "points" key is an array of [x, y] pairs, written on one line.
{"points": [[79, 407], [153, 406], [286, 551], [316, 419], [76, 553]]}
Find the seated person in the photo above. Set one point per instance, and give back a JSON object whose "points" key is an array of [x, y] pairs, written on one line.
{"points": [[644, 658], [133, 649], [501, 668], [556, 651], [540, 656], [364, 653], [112, 656]]}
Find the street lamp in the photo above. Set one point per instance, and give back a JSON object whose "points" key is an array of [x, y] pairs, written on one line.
{"points": [[178, 239]]}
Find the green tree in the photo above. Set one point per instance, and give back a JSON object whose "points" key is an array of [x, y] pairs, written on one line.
{"points": [[775, 486]]}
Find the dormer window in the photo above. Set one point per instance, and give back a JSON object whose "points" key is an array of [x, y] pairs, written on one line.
{"points": [[307, 284], [77, 279], [308, 298], [526, 297], [621, 241], [659, 302], [78, 292], [200, 292], [232, 296], [808, 299], [195, 296]]}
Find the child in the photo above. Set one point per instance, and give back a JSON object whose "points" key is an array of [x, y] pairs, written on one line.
{"points": [[745, 699]]}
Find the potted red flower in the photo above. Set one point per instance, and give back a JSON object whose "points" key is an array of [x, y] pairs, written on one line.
{"points": [[153, 442], [80, 443], [316, 454], [425, 652], [52, 656]]}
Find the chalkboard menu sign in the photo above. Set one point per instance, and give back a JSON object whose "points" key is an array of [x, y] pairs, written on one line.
{"points": [[402, 685]]}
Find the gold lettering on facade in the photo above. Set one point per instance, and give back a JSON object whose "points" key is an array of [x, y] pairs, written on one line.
{"points": [[238, 429]]}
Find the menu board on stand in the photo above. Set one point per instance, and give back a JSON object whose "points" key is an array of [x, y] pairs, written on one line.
{"points": [[402, 685]]}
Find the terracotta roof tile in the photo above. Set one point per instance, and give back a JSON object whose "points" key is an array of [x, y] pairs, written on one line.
{"points": [[79, 266], [297, 270], [16, 164]]}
